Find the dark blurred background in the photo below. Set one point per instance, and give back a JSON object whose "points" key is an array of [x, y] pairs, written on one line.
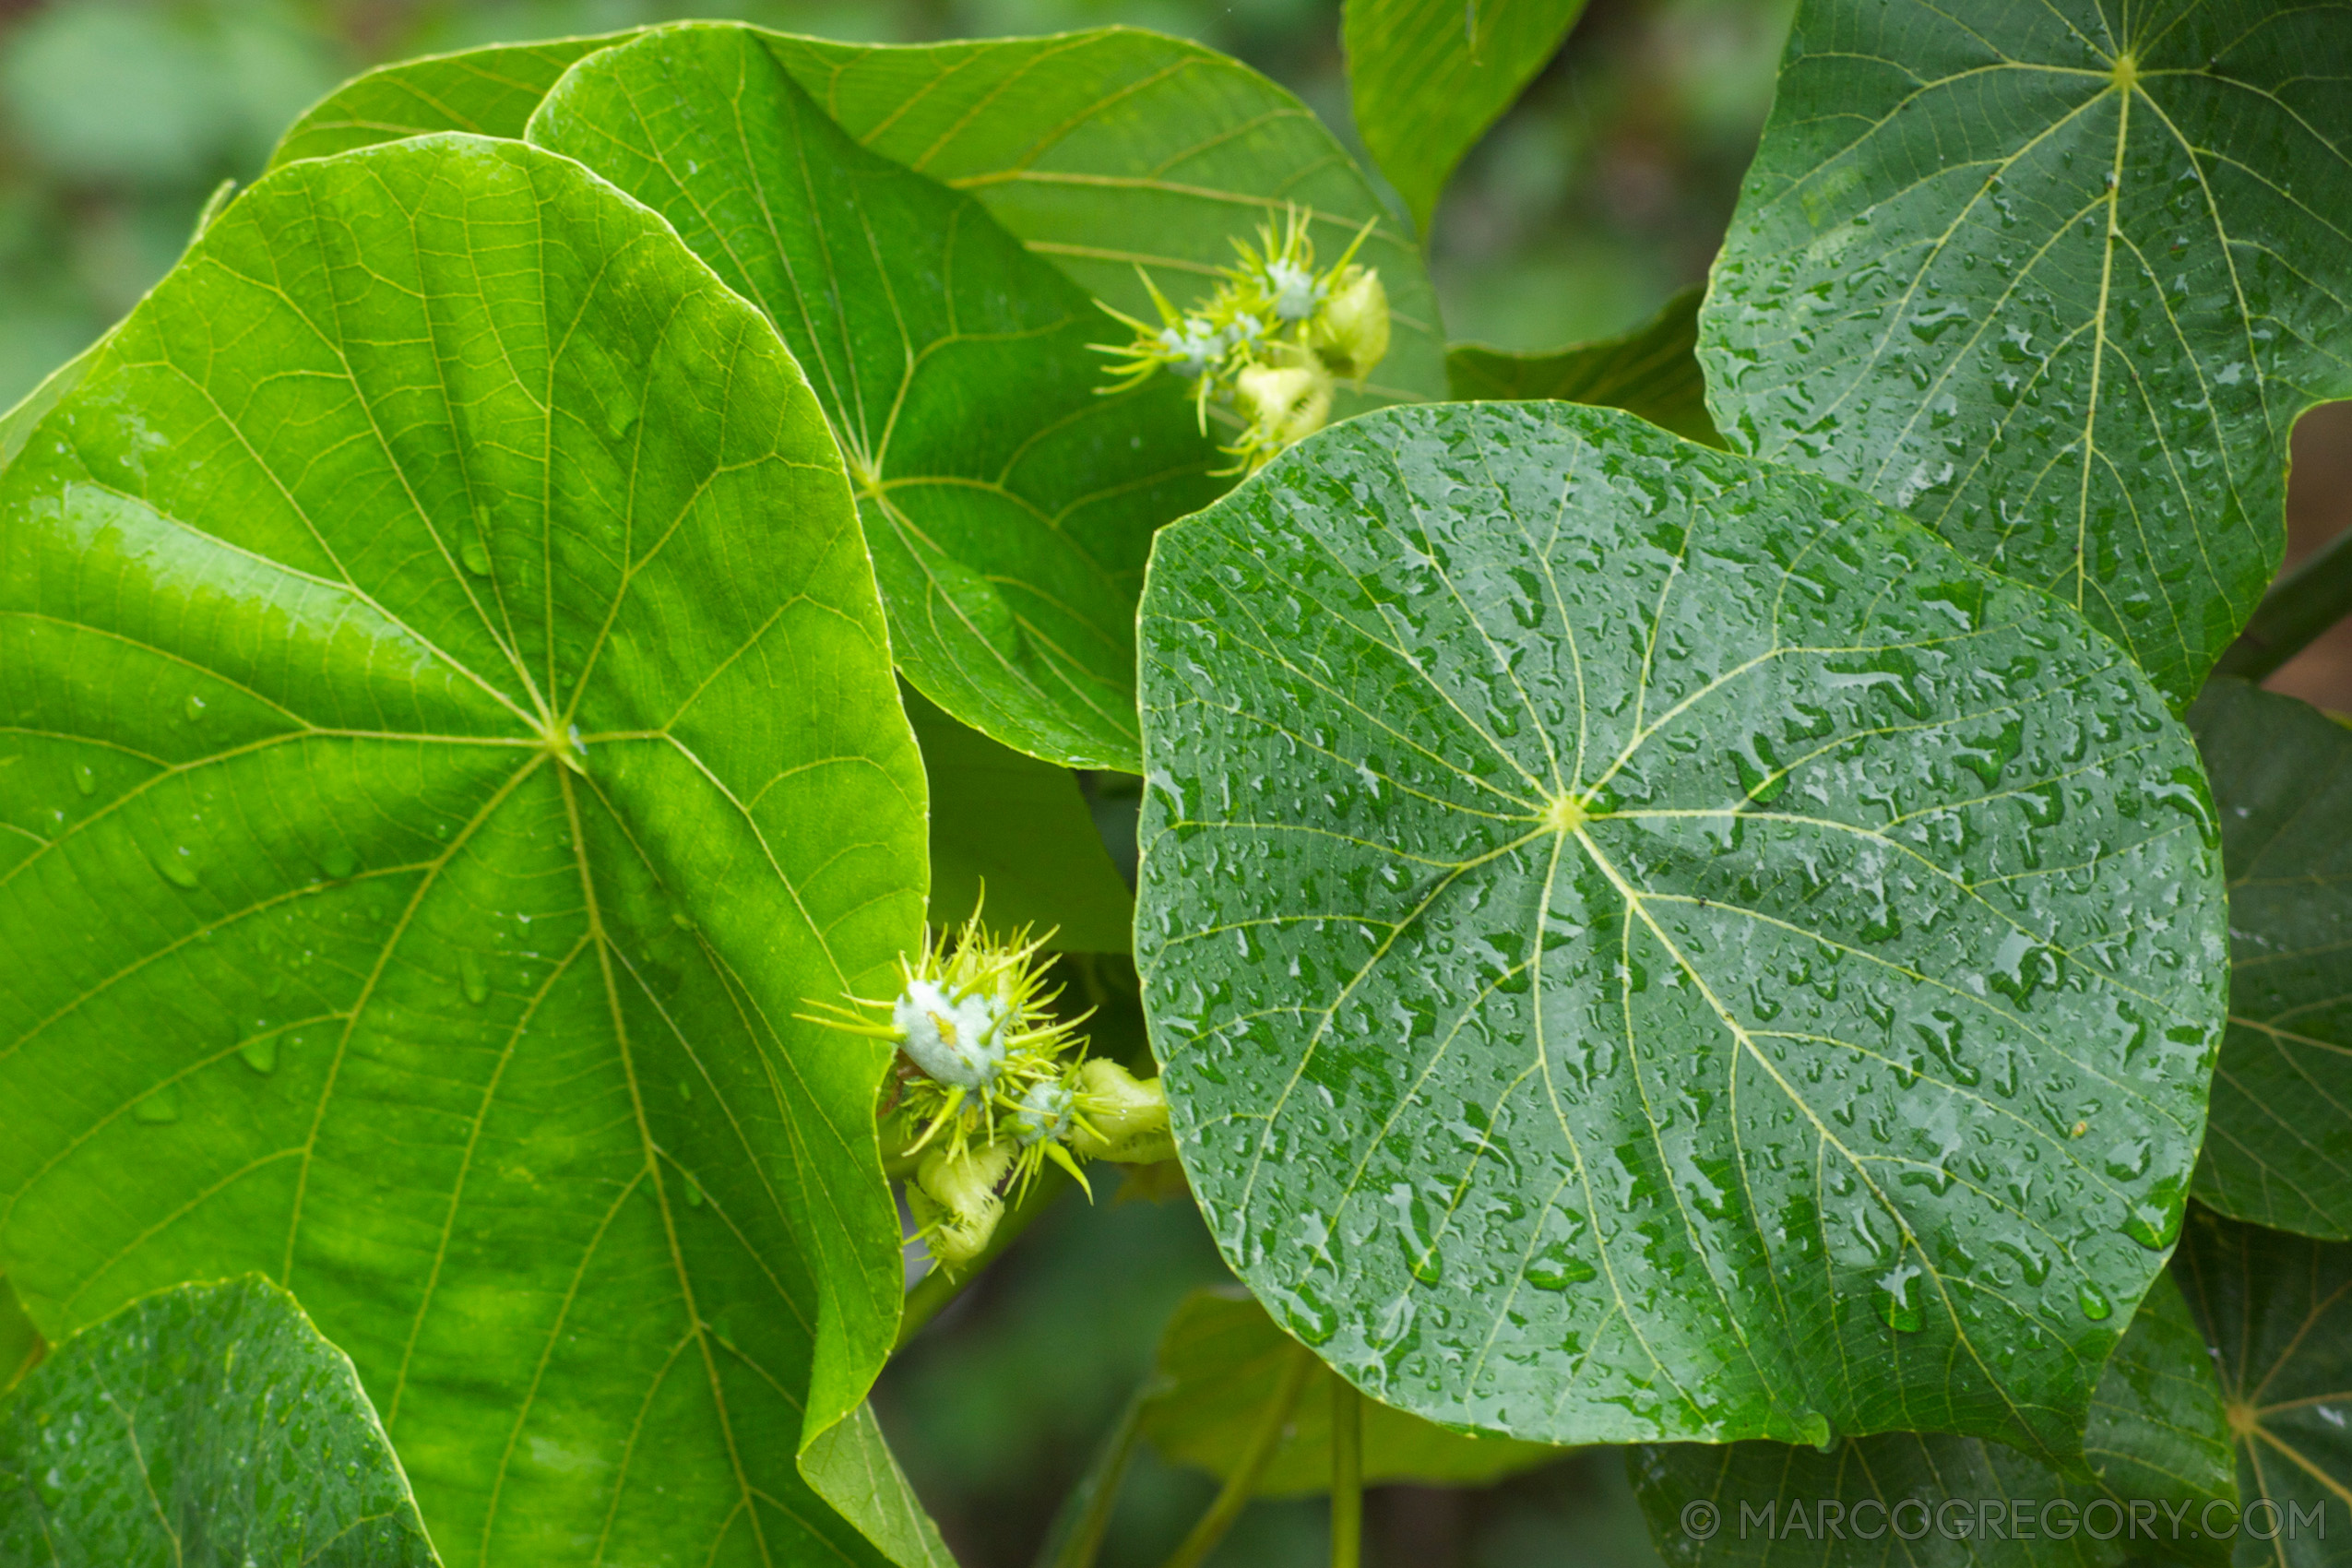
{"points": [[1605, 190]]}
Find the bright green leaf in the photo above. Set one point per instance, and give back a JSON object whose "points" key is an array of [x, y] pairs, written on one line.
{"points": [[1220, 1356], [1648, 945], [16, 425], [1016, 829], [489, 92], [1652, 370], [2057, 278], [1008, 503], [206, 1424], [458, 736], [851, 1466], [2278, 1138], [2277, 1310], [21, 1342], [2157, 1444], [1426, 80], [1103, 150]]}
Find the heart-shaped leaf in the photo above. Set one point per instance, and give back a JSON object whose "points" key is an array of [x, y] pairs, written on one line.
{"points": [[2156, 1445], [1652, 370], [208, 1423], [1427, 81], [1009, 505], [453, 733], [2057, 278], [2277, 1311], [1103, 150], [2278, 1137], [1221, 1356], [1649, 944]]}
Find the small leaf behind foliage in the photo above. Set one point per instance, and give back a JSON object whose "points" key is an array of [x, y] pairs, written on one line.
{"points": [[489, 92], [458, 736], [1220, 1356], [2279, 1135], [2056, 278], [1427, 80], [1009, 505], [2157, 1443], [1652, 370], [1646, 944], [2277, 1311], [206, 1424]]}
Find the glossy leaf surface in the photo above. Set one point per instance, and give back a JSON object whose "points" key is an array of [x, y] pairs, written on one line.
{"points": [[2157, 1444], [2277, 1311], [1103, 150], [1648, 945], [2278, 1137], [1008, 503], [203, 1424], [2057, 278], [454, 733], [1015, 832], [1427, 81], [1220, 1358], [1652, 370]]}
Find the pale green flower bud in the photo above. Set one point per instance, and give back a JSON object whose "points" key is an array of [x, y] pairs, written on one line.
{"points": [[953, 1198], [1119, 1118], [1351, 333], [1284, 403]]}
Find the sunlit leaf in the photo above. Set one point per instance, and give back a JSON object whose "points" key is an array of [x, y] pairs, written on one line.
{"points": [[2278, 1140], [2277, 1310], [1427, 80], [1009, 505], [1220, 1356], [2156, 1446], [454, 735], [1016, 830], [203, 1424], [489, 92], [21, 1342], [1652, 370], [2057, 278], [1647, 945]]}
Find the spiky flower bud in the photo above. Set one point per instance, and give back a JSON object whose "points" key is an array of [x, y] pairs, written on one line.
{"points": [[1351, 333]]}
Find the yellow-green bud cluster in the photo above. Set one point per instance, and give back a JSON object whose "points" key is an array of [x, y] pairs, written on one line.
{"points": [[1270, 343], [988, 1084]]}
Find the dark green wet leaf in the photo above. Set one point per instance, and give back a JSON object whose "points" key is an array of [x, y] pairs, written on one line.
{"points": [[2057, 278], [1219, 1358], [454, 735], [2277, 1310], [487, 91], [206, 1425], [2279, 1135], [1647, 945], [1009, 505], [1016, 829], [1652, 370], [2158, 1453], [1103, 150], [1427, 80]]}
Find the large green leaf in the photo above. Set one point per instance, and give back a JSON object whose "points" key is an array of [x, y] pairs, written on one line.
{"points": [[1104, 151], [2277, 1310], [1013, 834], [1647, 945], [453, 733], [487, 91], [20, 1343], [1009, 504], [1652, 370], [1427, 80], [2158, 1445], [1220, 1358], [203, 1424], [2278, 1137], [2057, 276]]}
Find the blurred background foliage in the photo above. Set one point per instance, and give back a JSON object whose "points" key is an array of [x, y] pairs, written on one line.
{"points": [[1605, 190]]}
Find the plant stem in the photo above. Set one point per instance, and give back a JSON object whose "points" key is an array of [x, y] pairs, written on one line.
{"points": [[1242, 1483], [938, 1288], [2300, 607], [1075, 1538], [1346, 1474]]}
